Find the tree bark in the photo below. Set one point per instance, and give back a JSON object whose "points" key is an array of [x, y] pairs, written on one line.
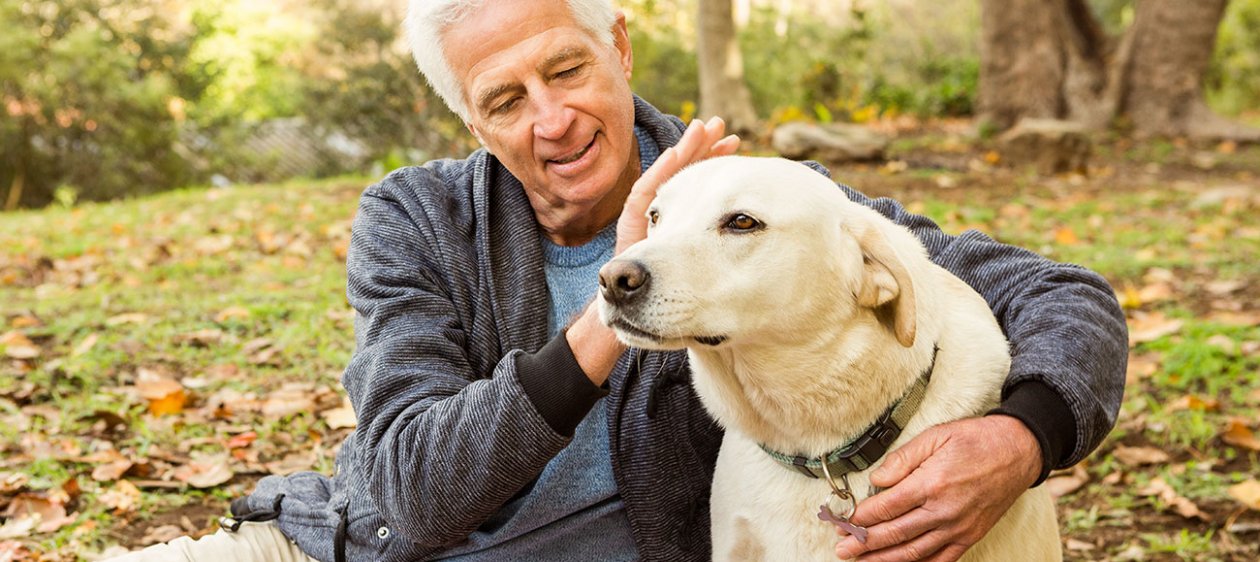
{"points": [[723, 91], [1050, 59]]}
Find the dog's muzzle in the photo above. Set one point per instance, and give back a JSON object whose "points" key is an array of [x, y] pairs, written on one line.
{"points": [[623, 282]]}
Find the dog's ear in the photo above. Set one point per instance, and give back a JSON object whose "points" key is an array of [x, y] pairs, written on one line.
{"points": [[886, 286]]}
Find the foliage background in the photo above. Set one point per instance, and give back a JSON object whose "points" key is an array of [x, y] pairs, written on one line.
{"points": [[110, 98]]}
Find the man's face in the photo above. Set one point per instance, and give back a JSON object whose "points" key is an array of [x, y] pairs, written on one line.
{"points": [[548, 99]]}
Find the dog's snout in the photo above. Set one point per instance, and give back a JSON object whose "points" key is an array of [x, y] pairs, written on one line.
{"points": [[620, 281]]}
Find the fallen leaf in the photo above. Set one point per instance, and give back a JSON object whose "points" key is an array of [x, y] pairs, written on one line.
{"points": [[12, 481], [18, 346], [1230, 318], [128, 318], [1223, 343], [165, 396], [1246, 493], [201, 338], [1184, 507], [242, 440], [123, 497], [86, 345], [11, 550], [205, 471], [111, 471], [340, 417], [1138, 456], [1150, 327], [160, 534], [1065, 236], [1079, 546], [230, 313], [1194, 403], [292, 462], [26, 320], [47, 509], [290, 399], [1239, 435], [1141, 367], [1066, 482]]}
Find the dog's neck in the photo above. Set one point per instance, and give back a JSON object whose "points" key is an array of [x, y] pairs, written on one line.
{"points": [[782, 392]]}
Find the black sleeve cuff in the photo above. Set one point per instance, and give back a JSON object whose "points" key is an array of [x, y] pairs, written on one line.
{"points": [[557, 385], [1047, 416]]}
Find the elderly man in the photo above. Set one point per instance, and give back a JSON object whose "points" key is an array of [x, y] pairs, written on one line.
{"points": [[499, 420]]}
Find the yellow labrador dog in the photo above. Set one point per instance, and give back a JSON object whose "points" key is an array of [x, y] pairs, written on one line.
{"points": [[820, 337]]}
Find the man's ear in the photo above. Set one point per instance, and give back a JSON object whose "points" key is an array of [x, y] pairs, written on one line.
{"points": [[886, 285], [621, 40], [475, 134]]}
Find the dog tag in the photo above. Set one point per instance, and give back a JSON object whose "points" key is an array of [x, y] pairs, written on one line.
{"points": [[825, 514]]}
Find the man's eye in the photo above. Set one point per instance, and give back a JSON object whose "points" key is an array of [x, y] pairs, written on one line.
{"points": [[506, 106], [742, 223], [568, 73]]}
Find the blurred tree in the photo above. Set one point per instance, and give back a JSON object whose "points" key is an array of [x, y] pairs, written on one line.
{"points": [[1053, 59], [362, 81], [723, 91], [87, 99]]}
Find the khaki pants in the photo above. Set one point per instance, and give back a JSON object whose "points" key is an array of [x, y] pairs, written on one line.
{"points": [[261, 542]]}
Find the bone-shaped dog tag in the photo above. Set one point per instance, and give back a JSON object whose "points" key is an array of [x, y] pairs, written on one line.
{"points": [[825, 514]]}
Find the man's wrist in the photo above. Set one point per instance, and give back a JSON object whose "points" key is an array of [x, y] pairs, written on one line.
{"points": [[595, 346], [1046, 416]]}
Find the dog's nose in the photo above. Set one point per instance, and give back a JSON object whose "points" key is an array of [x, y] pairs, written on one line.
{"points": [[620, 281]]}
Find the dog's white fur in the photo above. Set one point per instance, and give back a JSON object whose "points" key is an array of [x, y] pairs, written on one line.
{"points": [[829, 312]]}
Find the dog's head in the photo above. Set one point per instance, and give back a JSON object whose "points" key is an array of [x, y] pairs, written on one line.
{"points": [[757, 249]]}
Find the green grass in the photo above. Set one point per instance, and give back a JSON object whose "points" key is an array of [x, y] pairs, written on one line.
{"points": [[141, 277]]}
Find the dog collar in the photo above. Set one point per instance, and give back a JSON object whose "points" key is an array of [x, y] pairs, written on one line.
{"points": [[860, 453]]}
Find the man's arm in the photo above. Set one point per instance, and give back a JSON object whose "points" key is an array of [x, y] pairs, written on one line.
{"points": [[442, 444]]}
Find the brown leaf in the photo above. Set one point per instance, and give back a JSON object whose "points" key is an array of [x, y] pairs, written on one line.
{"points": [[123, 498], [1138, 456], [18, 346], [111, 471], [201, 338], [1065, 482], [290, 399], [12, 481], [47, 509], [205, 471], [1239, 435], [1247, 493], [340, 417], [161, 533], [25, 320], [293, 462], [86, 345], [233, 312], [165, 396], [1141, 367], [1194, 403], [1150, 327], [1184, 507], [128, 318]]}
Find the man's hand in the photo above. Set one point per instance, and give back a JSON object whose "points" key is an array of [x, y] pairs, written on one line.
{"points": [[946, 488], [700, 141]]}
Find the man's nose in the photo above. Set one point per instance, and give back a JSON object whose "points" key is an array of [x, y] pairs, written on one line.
{"points": [[552, 118], [623, 281]]}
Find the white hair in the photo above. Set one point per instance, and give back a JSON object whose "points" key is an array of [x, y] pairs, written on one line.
{"points": [[428, 19]]}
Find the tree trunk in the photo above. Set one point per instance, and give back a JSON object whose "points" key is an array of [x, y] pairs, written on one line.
{"points": [[1051, 59], [722, 88]]}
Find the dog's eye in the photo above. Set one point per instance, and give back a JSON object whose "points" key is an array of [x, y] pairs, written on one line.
{"points": [[742, 222], [653, 216]]}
